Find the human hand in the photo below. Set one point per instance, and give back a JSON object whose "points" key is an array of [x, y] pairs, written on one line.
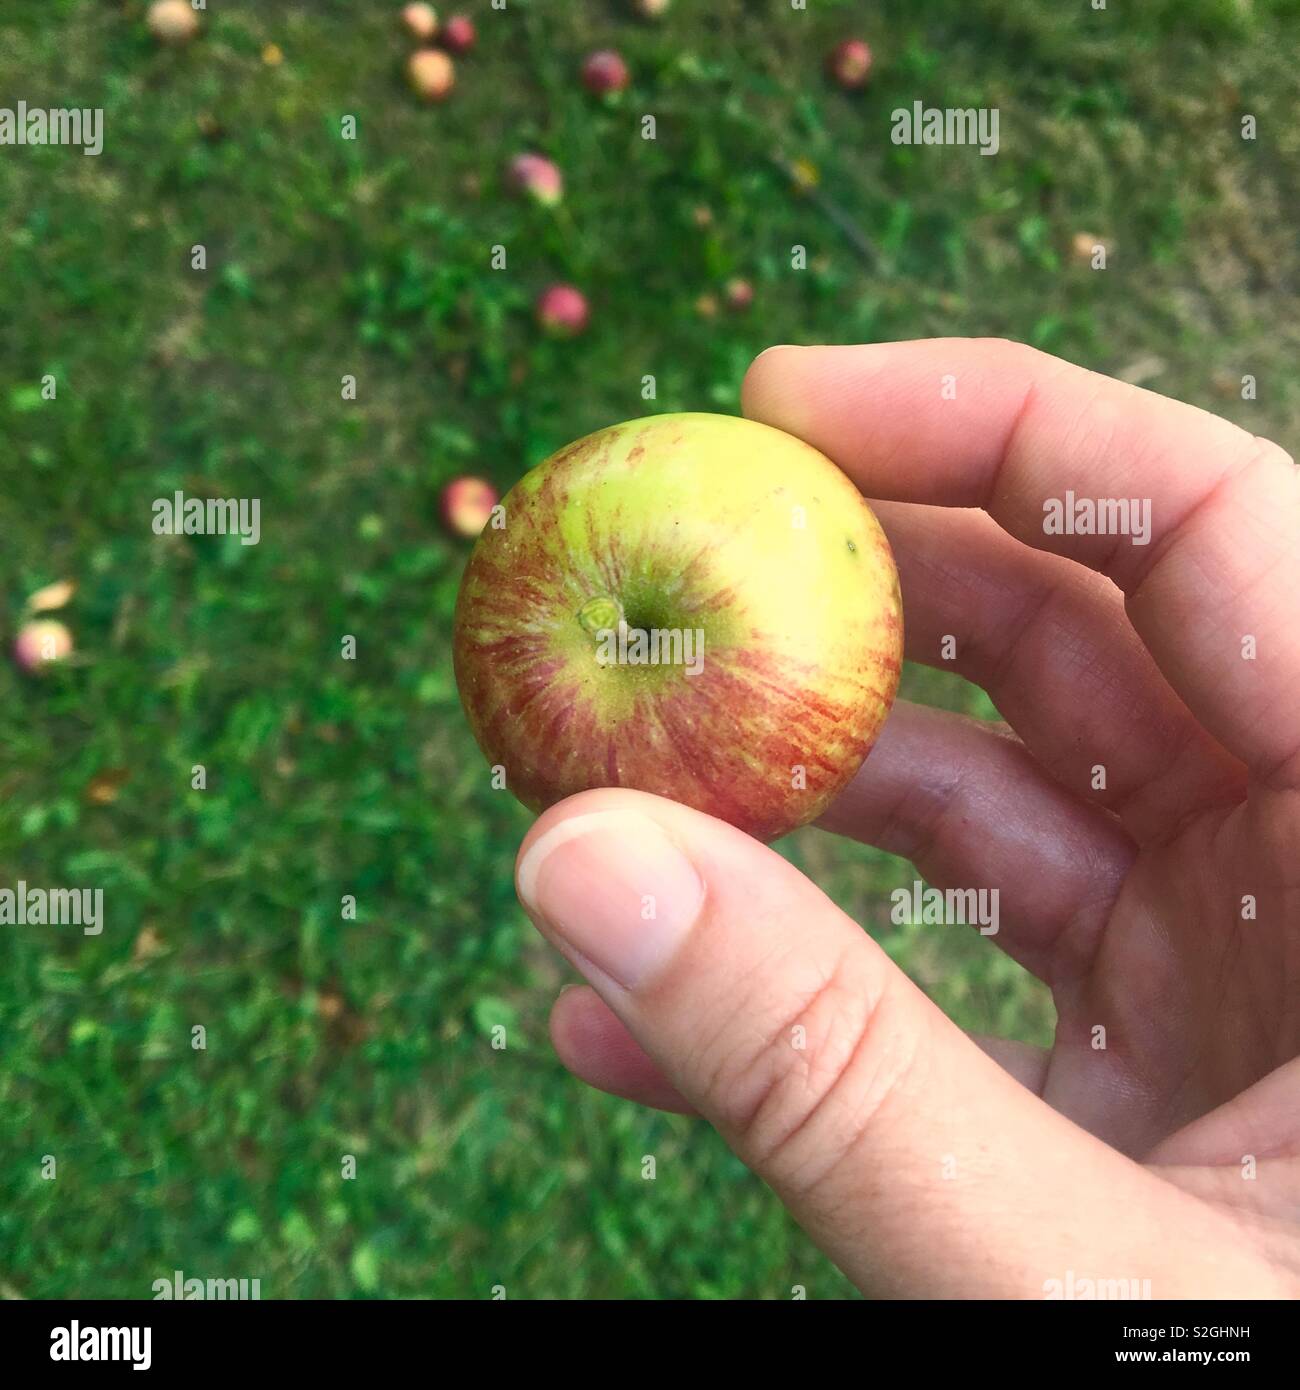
{"points": [[1162, 907]]}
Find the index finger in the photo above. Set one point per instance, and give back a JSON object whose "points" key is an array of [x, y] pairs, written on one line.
{"points": [[1195, 520]]}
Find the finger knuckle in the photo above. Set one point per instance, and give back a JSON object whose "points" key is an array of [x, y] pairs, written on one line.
{"points": [[806, 1079]]}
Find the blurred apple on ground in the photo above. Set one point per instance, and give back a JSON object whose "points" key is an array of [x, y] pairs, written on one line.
{"points": [[739, 295], [459, 35], [41, 645], [431, 74], [537, 177], [605, 72], [1084, 246], [562, 311], [420, 21], [172, 21], [850, 64], [466, 506]]}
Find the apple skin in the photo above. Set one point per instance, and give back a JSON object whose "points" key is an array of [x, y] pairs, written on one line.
{"points": [[683, 522]]}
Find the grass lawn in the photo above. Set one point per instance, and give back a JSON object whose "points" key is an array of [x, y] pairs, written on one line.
{"points": [[371, 257]]}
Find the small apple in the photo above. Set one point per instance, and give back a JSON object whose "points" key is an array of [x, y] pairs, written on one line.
{"points": [[698, 606], [41, 645], [739, 295], [172, 21], [431, 74], [420, 21], [605, 72], [850, 64], [651, 9], [458, 35], [536, 176], [562, 311], [1085, 245], [466, 506]]}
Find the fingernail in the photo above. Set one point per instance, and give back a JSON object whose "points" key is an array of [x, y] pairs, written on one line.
{"points": [[612, 886], [776, 347]]}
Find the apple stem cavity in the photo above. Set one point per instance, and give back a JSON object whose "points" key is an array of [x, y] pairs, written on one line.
{"points": [[600, 614]]}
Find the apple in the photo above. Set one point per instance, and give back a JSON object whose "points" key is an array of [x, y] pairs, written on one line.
{"points": [[850, 64], [605, 72], [699, 606], [431, 74], [1083, 246], [172, 21], [562, 311], [466, 506], [651, 9], [41, 645], [458, 35], [536, 176], [420, 21], [739, 295]]}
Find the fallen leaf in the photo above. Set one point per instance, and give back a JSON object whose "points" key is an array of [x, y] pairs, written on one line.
{"points": [[52, 596], [147, 945], [103, 787]]}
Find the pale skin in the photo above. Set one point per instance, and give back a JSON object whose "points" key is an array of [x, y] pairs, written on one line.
{"points": [[1162, 907]]}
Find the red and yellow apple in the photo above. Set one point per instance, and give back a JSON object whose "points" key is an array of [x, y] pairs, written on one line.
{"points": [[42, 645], [466, 506], [562, 311], [459, 34], [172, 21], [605, 72], [431, 74], [698, 606], [850, 64], [420, 21]]}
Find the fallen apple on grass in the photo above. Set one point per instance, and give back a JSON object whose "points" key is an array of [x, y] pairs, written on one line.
{"points": [[562, 311], [740, 295], [605, 72], [466, 505], [850, 64], [459, 34], [694, 605], [420, 22], [172, 21], [537, 177], [41, 645], [431, 74]]}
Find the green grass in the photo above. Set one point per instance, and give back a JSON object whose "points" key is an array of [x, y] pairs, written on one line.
{"points": [[328, 1037]]}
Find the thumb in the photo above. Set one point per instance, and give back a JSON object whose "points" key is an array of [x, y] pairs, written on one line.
{"points": [[909, 1156]]}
